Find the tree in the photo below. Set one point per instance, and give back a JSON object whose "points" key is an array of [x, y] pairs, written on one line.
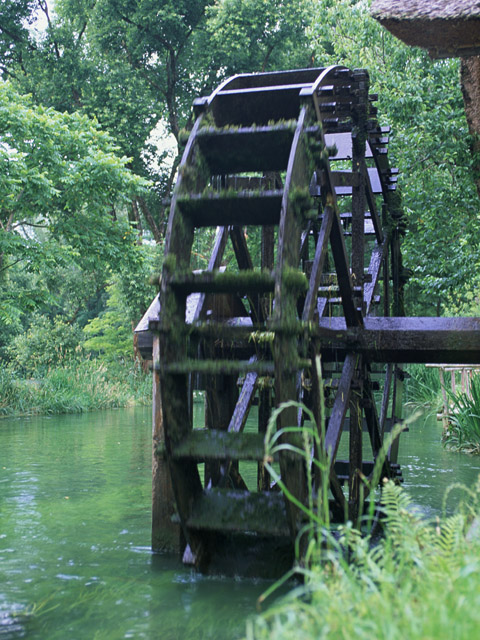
{"points": [[62, 188], [135, 64], [421, 100]]}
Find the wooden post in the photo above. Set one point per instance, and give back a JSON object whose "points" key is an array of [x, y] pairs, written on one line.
{"points": [[397, 410], [165, 533], [355, 447], [444, 398], [452, 378]]}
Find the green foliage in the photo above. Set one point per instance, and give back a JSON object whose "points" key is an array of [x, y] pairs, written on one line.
{"points": [[423, 386], [259, 35], [59, 173], [47, 343], [110, 334], [463, 432], [86, 385], [419, 581]]}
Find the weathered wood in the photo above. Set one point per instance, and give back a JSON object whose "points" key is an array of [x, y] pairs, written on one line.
{"points": [[395, 339], [214, 444], [245, 263], [285, 351], [224, 282], [397, 411], [256, 148], [377, 261], [223, 209], [339, 411], [221, 237], [165, 533], [318, 264], [359, 170], [355, 456], [235, 511], [221, 394], [385, 399], [265, 404]]}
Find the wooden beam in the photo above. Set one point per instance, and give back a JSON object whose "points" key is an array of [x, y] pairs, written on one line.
{"points": [[339, 410], [398, 339], [318, 264]]}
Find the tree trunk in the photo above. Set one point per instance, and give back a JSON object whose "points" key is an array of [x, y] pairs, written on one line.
{"points": [[470, 80]]}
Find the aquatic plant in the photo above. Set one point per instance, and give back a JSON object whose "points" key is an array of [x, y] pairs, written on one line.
{"points": [[463, 431], [423, 386]]}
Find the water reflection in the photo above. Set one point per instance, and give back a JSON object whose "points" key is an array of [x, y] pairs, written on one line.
{"points": [[429, 470]]}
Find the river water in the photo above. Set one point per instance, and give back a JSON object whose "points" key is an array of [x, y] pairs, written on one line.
{"points": [[75, 559]]}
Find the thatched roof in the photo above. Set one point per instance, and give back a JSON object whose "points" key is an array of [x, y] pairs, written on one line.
{"points": [[444, 27]]}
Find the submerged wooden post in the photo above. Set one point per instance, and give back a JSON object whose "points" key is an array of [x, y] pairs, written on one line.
{"points": [[444, 398], [165, 533]]}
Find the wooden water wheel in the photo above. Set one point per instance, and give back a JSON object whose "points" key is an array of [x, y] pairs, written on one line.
{"points": [[291, 169]]}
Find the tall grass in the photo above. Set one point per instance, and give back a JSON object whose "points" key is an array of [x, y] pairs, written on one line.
{"points": [[423, 386], [421, 580], [463, 432], [73, 388]]}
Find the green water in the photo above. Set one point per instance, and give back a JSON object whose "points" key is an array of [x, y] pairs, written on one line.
{"points": [[75, 559]]}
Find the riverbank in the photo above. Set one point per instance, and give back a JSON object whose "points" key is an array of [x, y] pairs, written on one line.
{"points": [[75, 387], [422, 580]]}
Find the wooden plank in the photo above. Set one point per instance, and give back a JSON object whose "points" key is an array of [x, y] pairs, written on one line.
{"points": [[216, 444], [344, 184], [397, 409], [343, 144], [373, 209], [385, 399], [236, 150], [337, 492], [221, 367], [223, 209], [339, 410], [165, 533], [245, 262], [358, 184], [240, 248], [318, 264], [257, 105], [247, 394], [221, 237], [236, 511], [224, 282], [374, 269], [352, 315], [371, 415], [265, 405], [342, 466], [355, 457]]}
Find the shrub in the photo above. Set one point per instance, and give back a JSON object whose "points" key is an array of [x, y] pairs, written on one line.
{"points": [[46, 343]]}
